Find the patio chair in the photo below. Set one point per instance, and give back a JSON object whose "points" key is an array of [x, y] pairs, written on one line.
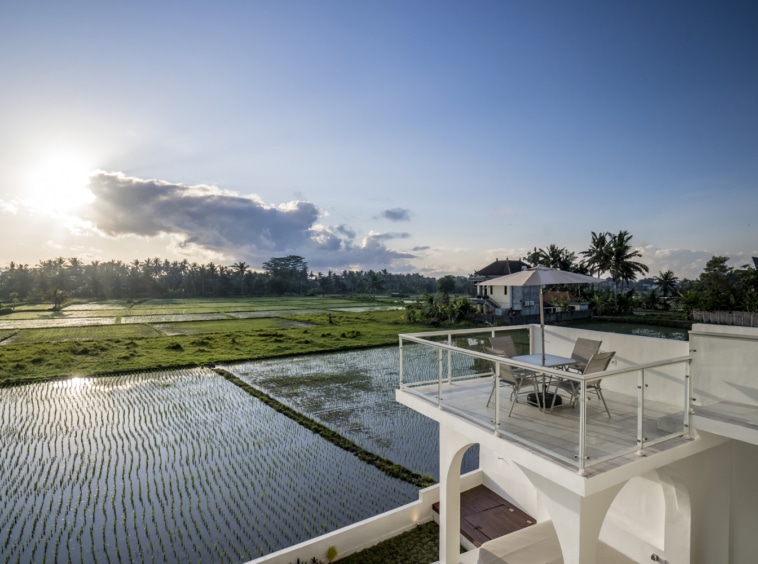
{"points": [[503, 346], [584, 350], [598, 363], [510, 376]]}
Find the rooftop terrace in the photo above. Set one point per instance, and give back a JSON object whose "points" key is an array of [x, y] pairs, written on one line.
{"points": [[646, 388]]}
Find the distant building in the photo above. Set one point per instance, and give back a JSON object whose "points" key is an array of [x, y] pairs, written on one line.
{"points": [[504, 300]]}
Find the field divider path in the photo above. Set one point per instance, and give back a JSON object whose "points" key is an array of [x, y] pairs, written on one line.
{"points": [[385, 465]]}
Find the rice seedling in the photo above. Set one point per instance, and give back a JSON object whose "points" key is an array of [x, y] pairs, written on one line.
{"points": [[170, 466]]}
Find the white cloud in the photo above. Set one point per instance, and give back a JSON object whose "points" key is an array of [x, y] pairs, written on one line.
{"points": [[206, 220], [686, 263]]}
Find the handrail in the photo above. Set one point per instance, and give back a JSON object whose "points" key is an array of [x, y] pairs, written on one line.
{"points": [[581, 461], [543, 369]]}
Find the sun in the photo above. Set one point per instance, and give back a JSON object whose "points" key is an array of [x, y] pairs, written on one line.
{"points": [[58, 185]]}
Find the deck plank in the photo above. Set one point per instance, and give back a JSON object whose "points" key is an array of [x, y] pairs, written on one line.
{"points": [[558, 432], [486, 516]]}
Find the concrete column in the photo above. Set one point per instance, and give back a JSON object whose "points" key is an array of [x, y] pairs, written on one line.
{"points": [[678, 524], [577, 519], [452, 448]]}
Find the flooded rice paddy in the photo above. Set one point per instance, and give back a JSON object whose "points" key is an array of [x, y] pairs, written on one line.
{"points": [[169, 466], [353, 393]]}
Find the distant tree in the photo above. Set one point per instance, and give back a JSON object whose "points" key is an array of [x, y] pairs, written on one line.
{"points": [[614, 253], [373, 282], [446, 284], [598, 257], [716, 285], [666, 282], [287, 274], [239, 269], [552, 256]]}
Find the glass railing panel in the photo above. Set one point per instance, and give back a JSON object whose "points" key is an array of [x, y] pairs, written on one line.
{"points": [[419, 364], [611, 417], [663, 407], [645, 403], [543, 421]]}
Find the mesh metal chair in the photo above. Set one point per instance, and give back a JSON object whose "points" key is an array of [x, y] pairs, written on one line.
{"points": [[598, 363], [584, 350], [503, 346], [510, 376]]}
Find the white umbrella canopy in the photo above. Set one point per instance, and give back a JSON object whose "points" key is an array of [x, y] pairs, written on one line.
{"points": [[541, 276]]}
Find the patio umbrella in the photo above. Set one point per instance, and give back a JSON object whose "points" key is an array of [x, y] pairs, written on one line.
{"points": [[541, 276]]}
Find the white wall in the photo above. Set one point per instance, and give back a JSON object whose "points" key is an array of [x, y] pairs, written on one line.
{"points": [[744, 518], [724, 364], [708, 476], [500, 295], [369, 532], [664, 384], [506, 479]]}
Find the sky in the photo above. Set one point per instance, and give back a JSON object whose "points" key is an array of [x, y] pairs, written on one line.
{"points": [[412, 136]]}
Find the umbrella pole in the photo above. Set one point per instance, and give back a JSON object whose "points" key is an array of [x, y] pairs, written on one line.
{"points": [[542, 325]]}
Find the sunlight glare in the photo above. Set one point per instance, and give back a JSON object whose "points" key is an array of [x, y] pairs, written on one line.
{"points": [[58, 185]]}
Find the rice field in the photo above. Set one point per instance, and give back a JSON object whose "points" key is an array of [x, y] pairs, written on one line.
{"points": [[7, 322], [353, 393], [39, 316], [256, 324], [164, 318], [177, 466], [82, 333]]}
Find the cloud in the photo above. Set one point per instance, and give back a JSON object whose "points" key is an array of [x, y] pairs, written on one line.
{"points": [[686, 263], [202, 220], [204, 215], [8, 207], [387, 236], [396, 214]]}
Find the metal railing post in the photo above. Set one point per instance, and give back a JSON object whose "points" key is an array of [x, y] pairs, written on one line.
{"points": [[641, 412], [439, 378], [582, 426], [450, 359], [687, 397], [497, 398], [401, 362]]}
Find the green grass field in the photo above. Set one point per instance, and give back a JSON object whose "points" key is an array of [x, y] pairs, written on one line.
{"points": [[33, 353], [84, 333]]}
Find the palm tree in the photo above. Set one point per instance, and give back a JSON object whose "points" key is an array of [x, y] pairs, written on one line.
{"points": [[373, 282], [623, 268], [598, 256], [666, 282], [240, 268], [552, 256]]}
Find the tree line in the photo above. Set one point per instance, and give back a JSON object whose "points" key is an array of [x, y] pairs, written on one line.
{"points": [[719, 287], [58, 279]]}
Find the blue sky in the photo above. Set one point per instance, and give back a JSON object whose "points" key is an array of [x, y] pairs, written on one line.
{"points": [[429, 137]]}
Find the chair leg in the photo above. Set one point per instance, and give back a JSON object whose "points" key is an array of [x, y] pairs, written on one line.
{"points": [[491, 392], [514, 396], [600, 395]]}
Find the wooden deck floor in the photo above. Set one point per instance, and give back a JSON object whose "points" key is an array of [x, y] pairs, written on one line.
{"points": [[556, 433], [486, 516]]}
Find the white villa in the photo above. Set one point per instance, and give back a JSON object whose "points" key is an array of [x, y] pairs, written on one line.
{"points": [[502, 299], [670, 476]]}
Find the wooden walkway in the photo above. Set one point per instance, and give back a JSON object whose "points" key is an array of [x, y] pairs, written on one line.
{"points": [[486, 516]]}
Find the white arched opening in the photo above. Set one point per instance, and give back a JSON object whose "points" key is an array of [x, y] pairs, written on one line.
{"points": [[453, 446], [651, 515]]}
